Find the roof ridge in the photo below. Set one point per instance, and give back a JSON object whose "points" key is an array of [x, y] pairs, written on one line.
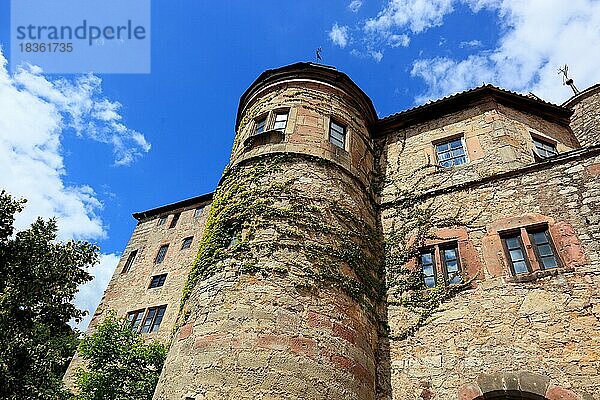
{"points": [[469, 91]]}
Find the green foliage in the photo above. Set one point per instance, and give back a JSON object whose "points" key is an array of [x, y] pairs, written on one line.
{"points": [[256, 197], [416, 216], [252, 196], [120, 364], [39, 277]]}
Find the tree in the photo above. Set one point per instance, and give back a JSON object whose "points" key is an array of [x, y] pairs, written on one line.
{"points": [[39, 277], [121, 365]]}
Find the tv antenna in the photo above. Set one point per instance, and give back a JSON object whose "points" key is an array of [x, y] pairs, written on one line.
{"points": [[566, 80]]}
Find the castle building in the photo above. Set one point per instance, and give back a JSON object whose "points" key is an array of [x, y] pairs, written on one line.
{"points": [[450, 251]]}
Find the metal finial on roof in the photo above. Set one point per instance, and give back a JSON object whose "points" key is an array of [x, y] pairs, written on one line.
{"points": [[318, 55], [566, 80]]}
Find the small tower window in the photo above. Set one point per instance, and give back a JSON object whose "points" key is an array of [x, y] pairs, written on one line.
{"points": [[153, 319], [451, 153], [428, 267], [544, 149], [158, 281], [260, 125], [187, 242], [135, 318], [451, 264], [162, 252], [541, 243], [544, 249], [174, 220], [280, 121], [129, 262], [337, 134], [162, 221], [198, 212], [516, 253]]}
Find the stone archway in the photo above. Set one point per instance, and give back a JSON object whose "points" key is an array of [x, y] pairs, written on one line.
{"points": [[511, 395], [515, 386]]}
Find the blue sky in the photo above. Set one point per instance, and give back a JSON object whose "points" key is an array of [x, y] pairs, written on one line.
{"points": [[175, 126]]}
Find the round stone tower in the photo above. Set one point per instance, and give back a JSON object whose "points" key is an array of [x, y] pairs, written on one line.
{"points": [[585, 120], [282, 299]]}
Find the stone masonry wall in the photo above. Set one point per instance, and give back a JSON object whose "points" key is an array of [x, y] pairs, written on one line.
{"points": [[311, 107], [497, 139], [128, 291], [543, 330], [585, 121], [277, 318]]}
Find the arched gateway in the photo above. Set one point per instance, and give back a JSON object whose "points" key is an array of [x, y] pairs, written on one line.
{"points": [[516, 386]]}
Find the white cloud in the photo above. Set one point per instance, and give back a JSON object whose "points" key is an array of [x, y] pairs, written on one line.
{"points": [[339, 35], [537, 36], [355, 5], [470, 43], [35, 113], [377, 55], [445, 76], [80, 107], [398, 40], [90, 294], [415, 15]]}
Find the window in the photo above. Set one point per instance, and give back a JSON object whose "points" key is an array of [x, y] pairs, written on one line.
{"points": [[451, 264], [451, 153], [541, 243], [162, 252], [233, 240], [513, 245], [280, 121], [198, 212], [129, 262], [153, 319], [428, 267], [449, 268], [174, 220], [544, 249], [161, 220], [157, 281], [187, 242], [260, 125], [134, 318], [544, 149], [337, 134]]}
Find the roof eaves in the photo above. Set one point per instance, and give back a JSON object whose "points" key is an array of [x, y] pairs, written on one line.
{"points": [[465, 98], [173, 206]]}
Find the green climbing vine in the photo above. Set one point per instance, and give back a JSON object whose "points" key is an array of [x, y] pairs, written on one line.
{"points": [[262, 209], [413, 218], [339, 244]]}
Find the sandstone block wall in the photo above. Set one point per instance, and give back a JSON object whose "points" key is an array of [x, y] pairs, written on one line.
{"points": [[497, 139], [547, 325], [585, 121], [289, 325], [311, 107], [129, 291]]}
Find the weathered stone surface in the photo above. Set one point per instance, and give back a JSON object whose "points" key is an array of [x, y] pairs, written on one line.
{"points": [[585, 121], [541, 326], [129, 291], [253, 335], [280, 335]]}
